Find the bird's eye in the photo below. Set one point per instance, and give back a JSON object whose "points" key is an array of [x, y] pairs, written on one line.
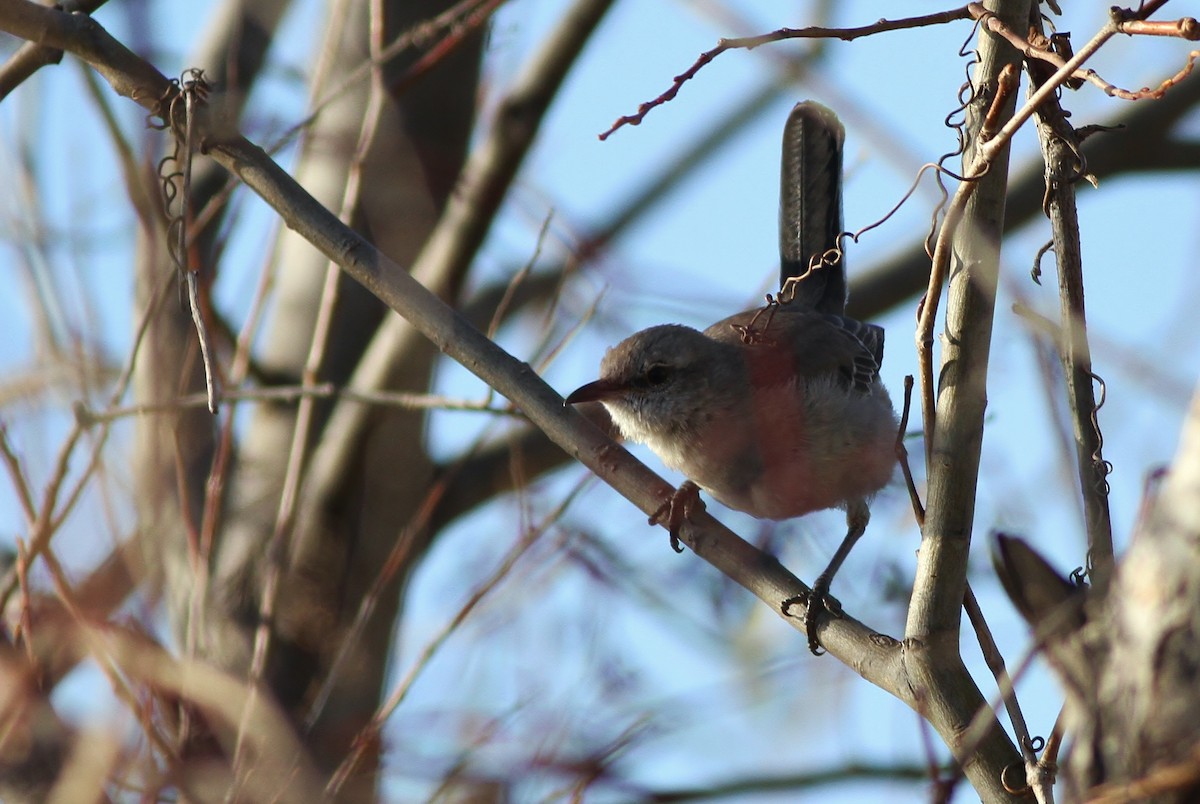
{"points": [[657, 375]]}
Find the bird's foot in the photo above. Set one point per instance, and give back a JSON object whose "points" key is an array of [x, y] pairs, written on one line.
{"points": [[682, 504], [816, 602]]}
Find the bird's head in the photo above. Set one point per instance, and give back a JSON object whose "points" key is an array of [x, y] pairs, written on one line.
{"points": [[654, 382]]}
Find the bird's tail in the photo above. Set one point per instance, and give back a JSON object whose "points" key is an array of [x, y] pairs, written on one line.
{"points": [[810, 208]]}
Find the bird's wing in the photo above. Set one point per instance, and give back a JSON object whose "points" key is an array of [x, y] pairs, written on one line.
{"points": [[783, 342]]}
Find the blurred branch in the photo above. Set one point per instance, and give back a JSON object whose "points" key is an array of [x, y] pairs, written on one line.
{"points": [[788, 71], [291, 393], [97, 596], [233, 49], [282, 769], [32, 56], [657, 188], [793, 784], [487, 472], [451, 247], [538, 288], [373, 732], [278, 547], [34, 741], [231, 54]]}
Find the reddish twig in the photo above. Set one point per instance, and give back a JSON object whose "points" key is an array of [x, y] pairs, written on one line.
{"points": [[1162, 89], [1185, 28], [20, 484], [1007, 83], [751, 42]]}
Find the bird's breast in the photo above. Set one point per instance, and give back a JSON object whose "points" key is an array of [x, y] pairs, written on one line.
{"points": [[785, 451]]}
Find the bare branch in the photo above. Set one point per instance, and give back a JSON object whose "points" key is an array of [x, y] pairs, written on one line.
{"points": [[1065, 165], [751, 42], [33, 56], [1186, 28]]}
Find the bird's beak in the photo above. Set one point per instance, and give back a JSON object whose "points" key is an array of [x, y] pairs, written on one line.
{"points": [[596, 391]]}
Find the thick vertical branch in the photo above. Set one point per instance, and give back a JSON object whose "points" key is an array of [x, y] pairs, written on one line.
{"points": [[962, 391], [949, 696]]}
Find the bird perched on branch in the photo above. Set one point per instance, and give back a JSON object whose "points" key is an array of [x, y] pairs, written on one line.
{"points": [[777, 411]]}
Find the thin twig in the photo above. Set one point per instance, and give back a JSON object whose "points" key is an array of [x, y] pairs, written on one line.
{"points": [[42, 530], [119, 389], [1186, 28], [984, 721], [1116, 24], [995, 663], [402, 551], [223, 455], [293, 393], [49, 520], [942, 252], [193, 88], [24, 629], [518, 278], [927, 319], [1055, 740], [104, 659], [751, 42], [450, 23], [13, 464], [902, 455], [422, 659]]}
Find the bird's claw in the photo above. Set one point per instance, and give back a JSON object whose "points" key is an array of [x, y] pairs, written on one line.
{"points": [[816, 602], [683, 503]]}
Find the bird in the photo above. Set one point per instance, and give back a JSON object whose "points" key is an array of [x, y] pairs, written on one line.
{"points": [[778, 411]]}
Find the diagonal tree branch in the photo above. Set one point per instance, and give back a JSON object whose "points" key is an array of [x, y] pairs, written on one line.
{"points": [[32, 56], [872, 655]]}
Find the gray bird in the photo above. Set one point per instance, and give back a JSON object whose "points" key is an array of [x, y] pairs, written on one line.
{"points": [[777, 411]]}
